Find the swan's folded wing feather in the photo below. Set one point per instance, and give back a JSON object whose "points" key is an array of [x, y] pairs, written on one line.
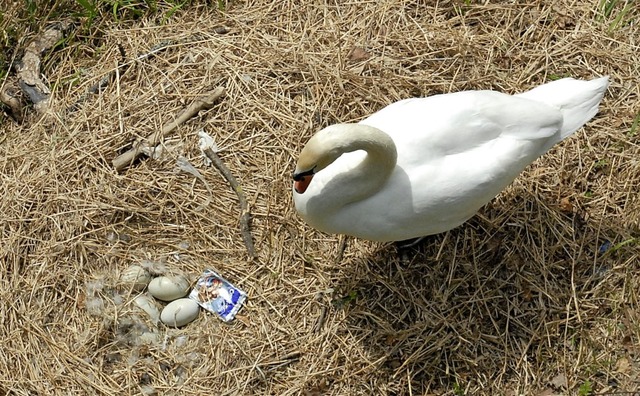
{"points": [[456, 152], [441, 125]]}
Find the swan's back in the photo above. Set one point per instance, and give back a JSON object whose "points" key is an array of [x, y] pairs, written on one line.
{"points": [[456, 122]]}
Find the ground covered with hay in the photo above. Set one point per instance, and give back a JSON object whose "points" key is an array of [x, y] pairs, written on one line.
{"points": [[536, 295]]}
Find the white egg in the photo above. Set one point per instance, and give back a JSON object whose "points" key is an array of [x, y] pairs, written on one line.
{"points": [[169, 288], [180, 312], [148, 305], [135, 277]]}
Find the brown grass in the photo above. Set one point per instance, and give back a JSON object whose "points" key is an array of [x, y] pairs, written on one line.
{"points": [[516, 301]]}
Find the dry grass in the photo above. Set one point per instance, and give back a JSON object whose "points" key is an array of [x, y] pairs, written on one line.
{"points": [[517, 301]]}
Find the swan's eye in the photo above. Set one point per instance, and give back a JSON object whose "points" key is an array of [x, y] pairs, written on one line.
{"points": [[301, 175]]}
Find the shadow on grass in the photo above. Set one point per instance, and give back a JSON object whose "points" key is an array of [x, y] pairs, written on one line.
{"points": [[505, 300]]}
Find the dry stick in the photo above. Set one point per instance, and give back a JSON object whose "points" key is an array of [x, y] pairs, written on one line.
{"points": [[124, 160], [10, 96], [284, 360], [321, 319], [104, 81], [341, 249], [28, 69], [27, 83], [245, 215]]}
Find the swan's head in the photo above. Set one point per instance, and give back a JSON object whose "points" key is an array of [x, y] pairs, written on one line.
{"points": [[321, 150]]}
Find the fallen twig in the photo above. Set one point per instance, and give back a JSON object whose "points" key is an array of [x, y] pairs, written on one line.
{"points": [[28, 75], [274, 365], [124, 160], [321, 319], [104, 81], [341, 248], [317, 327], [28, 69], [282, 361], [245, 215], [11, 96]]}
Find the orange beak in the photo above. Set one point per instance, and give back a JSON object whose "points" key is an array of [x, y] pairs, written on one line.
{"points": [[301, 185]]}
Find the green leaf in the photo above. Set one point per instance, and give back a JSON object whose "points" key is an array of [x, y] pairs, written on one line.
{"points": [[585, 389], [88, 6]]}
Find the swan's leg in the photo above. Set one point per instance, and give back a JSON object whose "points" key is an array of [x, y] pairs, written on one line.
{"points": [[341, 248], [410, 243], [402, 248]]}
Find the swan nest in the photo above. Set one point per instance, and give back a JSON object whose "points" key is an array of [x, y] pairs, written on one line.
{"points": [[537, 294]]}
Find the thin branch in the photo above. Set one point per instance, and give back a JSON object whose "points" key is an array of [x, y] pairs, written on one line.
{"points": [[245, 215], [104, 81], [124, 160]]}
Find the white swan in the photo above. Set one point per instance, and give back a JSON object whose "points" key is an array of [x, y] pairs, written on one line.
{"points": [[424, 166]]}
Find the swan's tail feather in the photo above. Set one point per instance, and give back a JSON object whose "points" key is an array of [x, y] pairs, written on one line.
{"points": [[577, 100]]}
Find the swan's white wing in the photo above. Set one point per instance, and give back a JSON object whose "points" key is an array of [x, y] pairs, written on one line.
{"points": [[441, 125], [455, 153]]}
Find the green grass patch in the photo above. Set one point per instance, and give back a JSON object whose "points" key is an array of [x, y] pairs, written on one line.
{"points": [[585, 389], [617, 13]]}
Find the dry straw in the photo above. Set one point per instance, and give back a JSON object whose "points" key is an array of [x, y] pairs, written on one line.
{"points": [[517, 301]]}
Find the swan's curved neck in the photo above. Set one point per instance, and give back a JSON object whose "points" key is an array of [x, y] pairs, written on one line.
{"points": [[361, 181], [369, 176]]}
